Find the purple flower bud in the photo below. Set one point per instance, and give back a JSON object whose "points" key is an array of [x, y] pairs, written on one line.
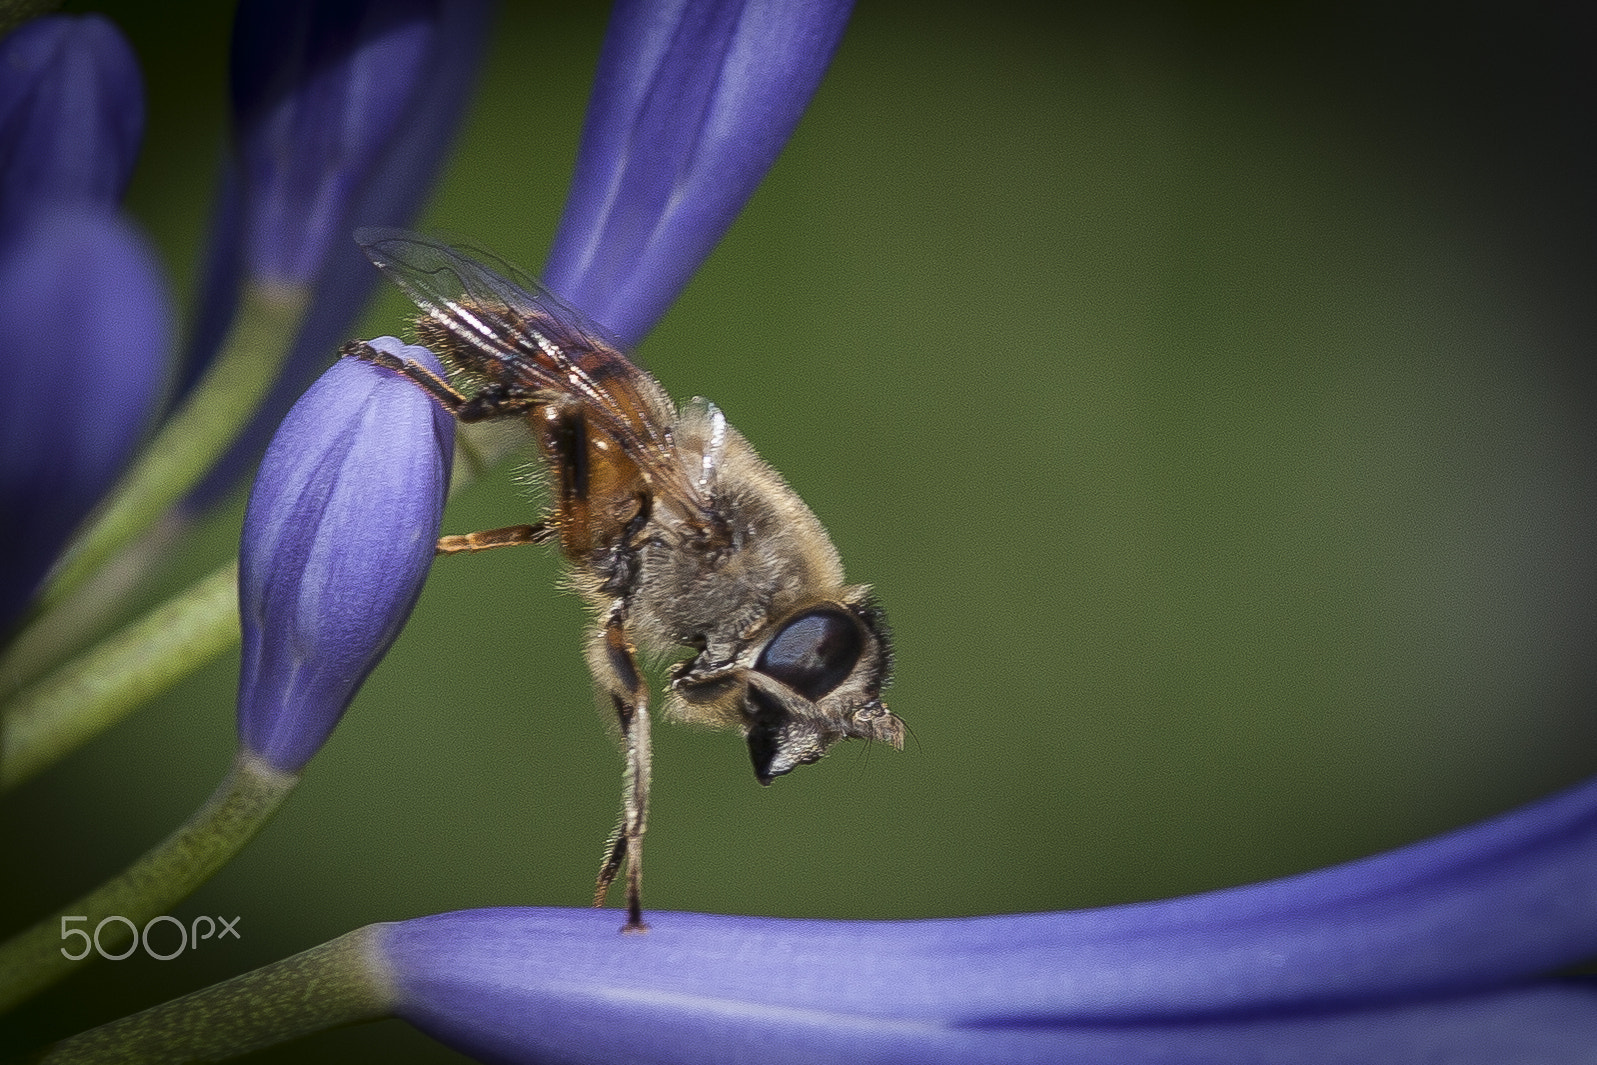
{"points": [[344, 114], [338, 539], [71, 113], [84, 328], [321, 95], [691, 104], [1420, 953]]}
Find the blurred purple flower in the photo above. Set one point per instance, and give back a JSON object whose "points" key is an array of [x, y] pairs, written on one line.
{"points": [[71, 114], [338, 539], [320, 91], [1422, 953], [692, 102], [84, 329], [84, 317], [343, 114]]}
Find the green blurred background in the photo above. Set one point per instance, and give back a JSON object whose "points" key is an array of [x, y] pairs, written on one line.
{"points": [[1205, 388]]}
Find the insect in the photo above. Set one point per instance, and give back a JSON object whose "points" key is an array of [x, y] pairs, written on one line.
{"points": [[675, 530]]}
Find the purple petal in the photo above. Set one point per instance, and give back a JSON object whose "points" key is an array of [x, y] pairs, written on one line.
{"points": [[1547, 1024], [84, 329], [565, 985], [691, 104], [1416, 948], [338, 539], [71, 113]]}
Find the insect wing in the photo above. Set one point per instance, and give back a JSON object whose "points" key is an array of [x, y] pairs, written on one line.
{"points": [[490, 306], [531, 334]]}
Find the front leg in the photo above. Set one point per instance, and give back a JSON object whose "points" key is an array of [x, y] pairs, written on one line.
{"points": [[706, 686], [488, 404], [614, 663]]}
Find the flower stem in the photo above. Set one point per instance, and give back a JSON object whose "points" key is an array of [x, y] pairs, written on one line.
{"points": [[194, 437], [340, 982], [85, 615], [100, 687], [166, 874]]}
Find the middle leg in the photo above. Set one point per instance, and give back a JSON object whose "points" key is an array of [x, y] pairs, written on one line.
{"points": [[487, 540]]}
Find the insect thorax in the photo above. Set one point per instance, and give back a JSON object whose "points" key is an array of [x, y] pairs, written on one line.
{"points": [[720, 596]]}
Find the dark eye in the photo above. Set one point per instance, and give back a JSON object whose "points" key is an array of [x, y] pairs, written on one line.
{"points": [[814, 653]]}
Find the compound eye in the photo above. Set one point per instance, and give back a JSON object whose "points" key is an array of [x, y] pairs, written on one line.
{"points": [[814, 652]]}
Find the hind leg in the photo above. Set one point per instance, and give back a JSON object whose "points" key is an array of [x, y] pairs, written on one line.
{"points": [[615, 669]]}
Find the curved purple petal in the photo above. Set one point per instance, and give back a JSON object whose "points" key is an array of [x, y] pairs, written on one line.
{"points": [[71, 113], [1421, 947], [338, 539], [692, 102], [84, 329], [565, 986]]}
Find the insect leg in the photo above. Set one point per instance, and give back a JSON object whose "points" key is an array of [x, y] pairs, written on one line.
{"points": [[435, 386], [510, 536], [615, 669], [488, 404]]}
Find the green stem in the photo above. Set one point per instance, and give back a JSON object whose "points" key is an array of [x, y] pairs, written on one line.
{"points": [[340, 982], [84, 615], [167, 873], [196, 436], [100, 687]]}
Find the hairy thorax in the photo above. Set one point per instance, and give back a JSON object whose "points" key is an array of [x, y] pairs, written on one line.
{"points": [[718, 597]]}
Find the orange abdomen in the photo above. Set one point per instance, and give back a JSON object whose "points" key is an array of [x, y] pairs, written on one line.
{"points": [[598, 490]]}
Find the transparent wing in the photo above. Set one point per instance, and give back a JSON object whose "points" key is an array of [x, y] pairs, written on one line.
{"points": [[502, 298], [521, 333]]}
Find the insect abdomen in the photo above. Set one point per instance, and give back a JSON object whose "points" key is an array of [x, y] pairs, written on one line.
{"points": [[598, 491]]}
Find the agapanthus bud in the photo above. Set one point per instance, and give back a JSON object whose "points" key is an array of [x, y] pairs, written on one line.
{"points": [[71, 114], [84, 329], [1428, 952], [338, 539], [320, 93], [692, 102], [343, 115]]}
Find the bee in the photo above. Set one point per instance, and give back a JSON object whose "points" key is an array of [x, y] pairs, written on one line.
{"points": [[674, 529]]}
